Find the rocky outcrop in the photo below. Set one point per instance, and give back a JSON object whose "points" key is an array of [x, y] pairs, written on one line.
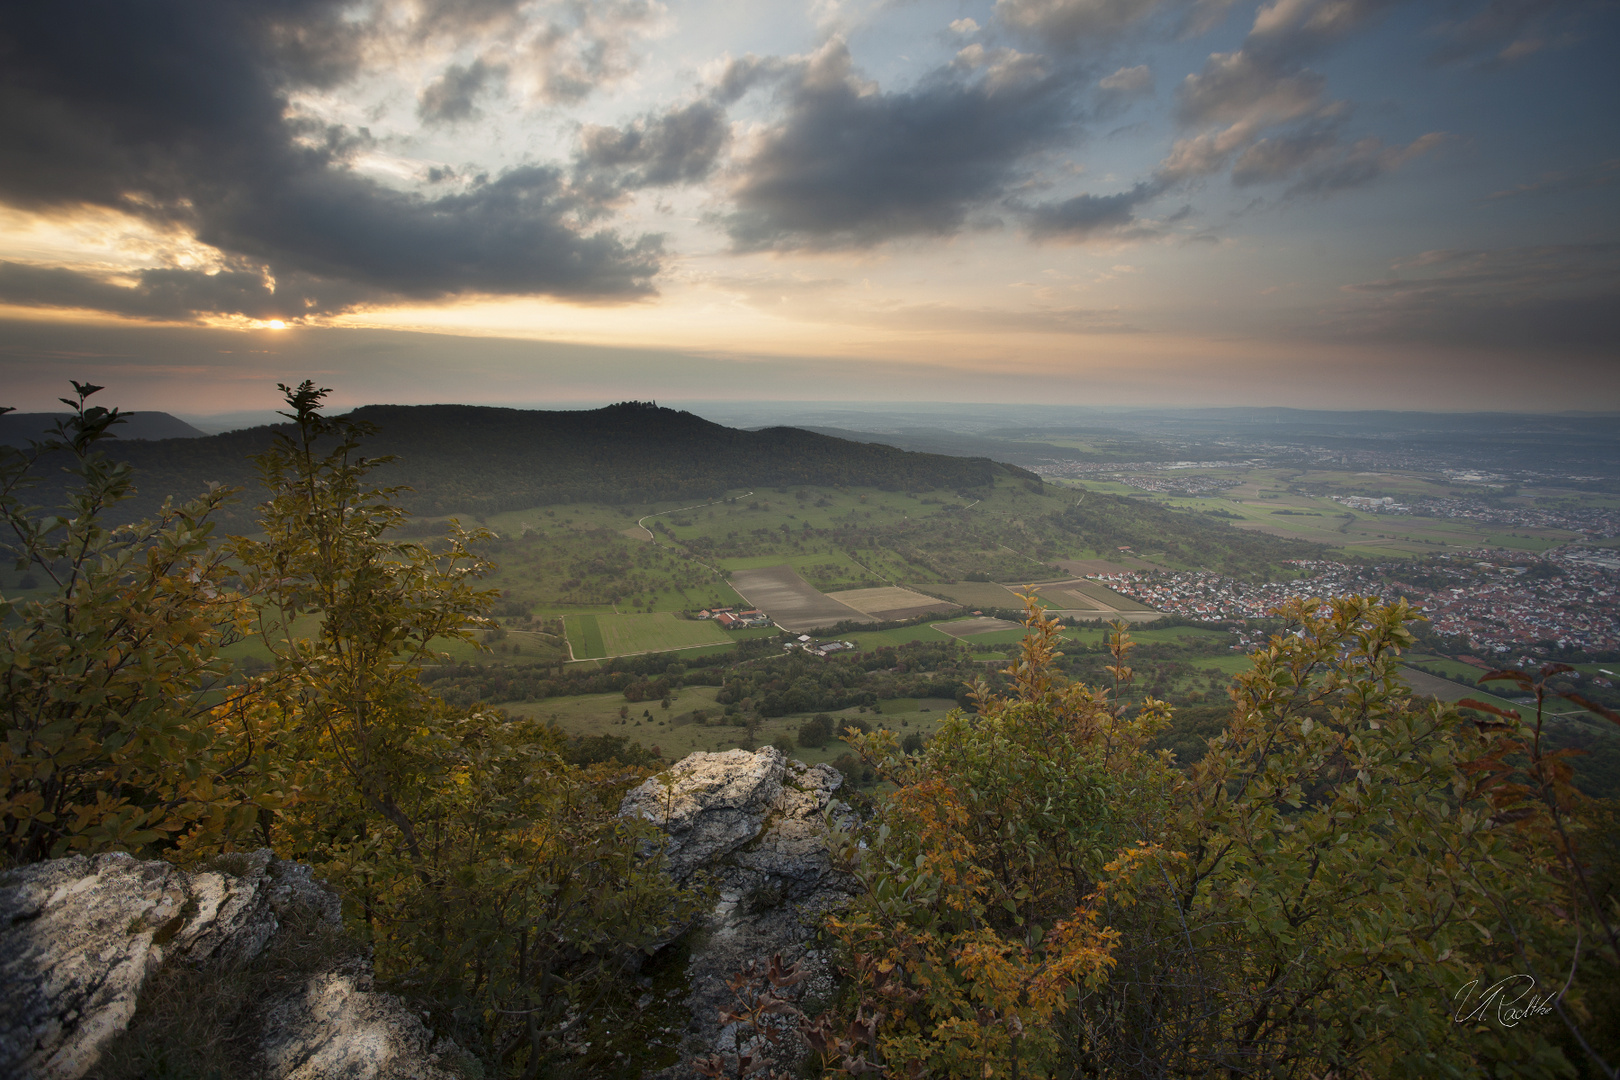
{"points": [[81, 937], [753, 825]]}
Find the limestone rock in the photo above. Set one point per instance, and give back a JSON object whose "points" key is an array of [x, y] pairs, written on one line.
{"points": [[336, 1028], [80, 936], [753, 824], [714, 804]]}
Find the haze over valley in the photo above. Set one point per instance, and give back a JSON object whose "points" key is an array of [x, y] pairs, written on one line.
{"points": [[944, 540]]}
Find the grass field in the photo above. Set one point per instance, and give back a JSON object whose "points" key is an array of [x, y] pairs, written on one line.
{"points": [[599, 636], [1107, 597], [652, 725], [585, 637], [1255, 504], [977, 594]]}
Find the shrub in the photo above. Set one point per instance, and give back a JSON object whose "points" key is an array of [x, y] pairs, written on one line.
{"points": [[816, 732], [1325, 893], [111, 699]]}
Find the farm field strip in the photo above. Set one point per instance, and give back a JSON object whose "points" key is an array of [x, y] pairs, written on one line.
{"points": [[657, 632], [600, 637], [974, 627], [978, 594], [791, 602], [585, 637], [1103, 597], [1428, 685], [892, 602]]}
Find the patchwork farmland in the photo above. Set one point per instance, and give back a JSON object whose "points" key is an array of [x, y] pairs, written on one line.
{"points": [[893, 603], [792, 602]]}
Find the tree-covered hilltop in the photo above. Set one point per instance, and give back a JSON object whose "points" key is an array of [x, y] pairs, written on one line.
{"points": [[467, 459]]}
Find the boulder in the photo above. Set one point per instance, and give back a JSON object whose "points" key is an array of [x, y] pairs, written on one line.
{"points": [[753, 826], [80, 937]]}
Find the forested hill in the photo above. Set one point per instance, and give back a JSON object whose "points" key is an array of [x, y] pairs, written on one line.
{"points": [[18, 429], [475, 460]]}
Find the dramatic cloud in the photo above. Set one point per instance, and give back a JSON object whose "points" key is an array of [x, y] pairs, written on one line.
{"points": [[677, 147], [178, 113], [171, 294], [451, 96], [851, 166], [560, 50]]}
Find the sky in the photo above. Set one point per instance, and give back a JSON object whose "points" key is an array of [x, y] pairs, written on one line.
{"points": [[1313, 203]]}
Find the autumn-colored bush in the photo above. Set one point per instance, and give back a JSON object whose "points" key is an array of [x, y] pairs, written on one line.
{"points": [[111, 685], [494, 878], [1323, 894]]}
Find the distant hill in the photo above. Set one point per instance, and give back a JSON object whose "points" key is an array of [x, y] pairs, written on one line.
{"points": [[17, 428], [477, 460], [1016, 451]]}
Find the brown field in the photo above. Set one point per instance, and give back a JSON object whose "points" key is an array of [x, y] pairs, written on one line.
{"points": [[791, 602], [978, 594], [892, 602], [970, 627]]}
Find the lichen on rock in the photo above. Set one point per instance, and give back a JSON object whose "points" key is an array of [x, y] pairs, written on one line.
{"points": [[754, 825], [82, 938]]}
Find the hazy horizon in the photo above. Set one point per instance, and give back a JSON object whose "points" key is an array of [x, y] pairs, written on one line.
{"points": [[1313, 203]]}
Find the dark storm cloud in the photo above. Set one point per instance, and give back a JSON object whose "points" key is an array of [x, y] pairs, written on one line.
{"points": [[453, 95], [680, 146], [177, 111], [168, 294], [850, 166], [1545, 296]]}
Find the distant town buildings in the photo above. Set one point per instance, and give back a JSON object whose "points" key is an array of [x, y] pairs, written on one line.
{"points": [[1499, 599]]}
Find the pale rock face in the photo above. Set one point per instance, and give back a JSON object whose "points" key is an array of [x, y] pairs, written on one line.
{"points": [[714, 804], [752, 824], [80, 936]]}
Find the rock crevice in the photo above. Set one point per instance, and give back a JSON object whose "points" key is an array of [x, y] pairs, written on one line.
{"points": [[80, 938], [753, 825]]}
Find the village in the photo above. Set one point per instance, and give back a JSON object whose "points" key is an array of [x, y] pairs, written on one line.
{"points": [[1498, 599]]}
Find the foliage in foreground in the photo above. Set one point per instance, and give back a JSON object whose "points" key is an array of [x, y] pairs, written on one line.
{"points": [[108, 687], [493, 878], [1333, 890]]}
